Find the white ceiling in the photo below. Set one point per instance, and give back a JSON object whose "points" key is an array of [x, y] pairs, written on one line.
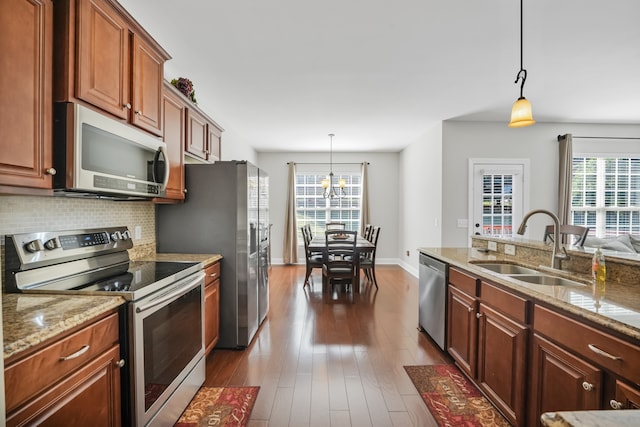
{"points": [[282, 74]]}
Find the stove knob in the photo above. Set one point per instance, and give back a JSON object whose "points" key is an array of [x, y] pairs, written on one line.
{"points": [[126, 235], [116, 235], [52, 244], [34, 246]]}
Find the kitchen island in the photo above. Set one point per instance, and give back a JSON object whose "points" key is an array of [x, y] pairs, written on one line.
{"points": [[524, 342]]}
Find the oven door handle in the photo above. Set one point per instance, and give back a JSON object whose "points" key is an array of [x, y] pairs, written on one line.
{"points": [[173, 294]]}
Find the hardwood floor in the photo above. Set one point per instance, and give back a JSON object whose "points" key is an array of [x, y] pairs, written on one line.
{"points": [[331, 362]]}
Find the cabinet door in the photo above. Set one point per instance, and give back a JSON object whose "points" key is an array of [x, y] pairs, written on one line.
{"points": [[461, 329], [561, 381], [214, 142], [196, 143], [627, 397], [147, 87], [26, 29], [502, 352], [211, 315], [173, 117], [103, 58], [89, 397]]}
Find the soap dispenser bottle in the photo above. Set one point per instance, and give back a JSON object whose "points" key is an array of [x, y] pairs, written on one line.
{"points": [[598, 266]]}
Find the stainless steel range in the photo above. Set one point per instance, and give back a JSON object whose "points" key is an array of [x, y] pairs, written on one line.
{"points": [[161, 323]]}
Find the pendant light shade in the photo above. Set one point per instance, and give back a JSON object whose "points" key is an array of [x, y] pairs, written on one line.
{"points": [[521, 114]]}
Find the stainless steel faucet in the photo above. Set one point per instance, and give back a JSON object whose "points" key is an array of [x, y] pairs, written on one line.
{"points": [[556, 256]]}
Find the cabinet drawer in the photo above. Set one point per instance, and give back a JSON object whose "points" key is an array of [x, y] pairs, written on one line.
{"points": [[463, 281], [33, 374], [212, 273], [599, 347], [505, 302]]}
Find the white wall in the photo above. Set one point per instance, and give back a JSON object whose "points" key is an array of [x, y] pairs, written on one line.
{"points": [[383, 190], [538, 143], [235, 148], [420, 190]]}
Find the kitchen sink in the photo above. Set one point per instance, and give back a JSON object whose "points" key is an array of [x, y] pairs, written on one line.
{"points": [[504, 268], [542, 279]]}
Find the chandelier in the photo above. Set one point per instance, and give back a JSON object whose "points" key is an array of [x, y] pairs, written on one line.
{"points": [[521, 114], [327, 183]]}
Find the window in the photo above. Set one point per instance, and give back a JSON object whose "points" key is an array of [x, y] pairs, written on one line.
{"points": [[605, 194], [313, 209]]}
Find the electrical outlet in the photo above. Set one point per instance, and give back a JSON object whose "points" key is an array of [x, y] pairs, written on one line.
{"points": [[137, 232], [509, 249], [492, 246]]}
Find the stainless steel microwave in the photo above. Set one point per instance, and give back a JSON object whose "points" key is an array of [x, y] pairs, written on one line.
{"points": [[98, 156]]}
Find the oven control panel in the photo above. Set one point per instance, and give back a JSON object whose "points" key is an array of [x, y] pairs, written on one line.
{"points": [[35, 249]]}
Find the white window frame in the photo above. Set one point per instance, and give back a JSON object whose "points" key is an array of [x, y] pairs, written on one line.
{"points": [[600, 228], [331, 206]]}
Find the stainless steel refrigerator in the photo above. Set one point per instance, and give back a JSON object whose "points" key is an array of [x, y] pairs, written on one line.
{"points": [[226, 212]]}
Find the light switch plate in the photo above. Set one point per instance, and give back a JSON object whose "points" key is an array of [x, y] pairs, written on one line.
{"points": [[509, 249], [492, 246]]}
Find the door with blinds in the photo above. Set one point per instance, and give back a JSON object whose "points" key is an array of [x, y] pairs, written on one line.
{"points": [[497, 199]]}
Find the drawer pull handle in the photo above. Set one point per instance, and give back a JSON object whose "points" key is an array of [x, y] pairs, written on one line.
{"points": [[213, 274], [615, 404], [596, 350], [120, 363], [469, 309], [587, 386], [78, 353], [478, 315]]}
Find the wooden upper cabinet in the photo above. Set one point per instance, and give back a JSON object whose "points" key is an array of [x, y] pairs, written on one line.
{"points": [[146, 103], [196, 143], [173, 127], [215, 142], [26, 34], [104, 58]]}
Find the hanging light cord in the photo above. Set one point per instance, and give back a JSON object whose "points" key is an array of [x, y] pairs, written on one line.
{"points": [[522, 74]]}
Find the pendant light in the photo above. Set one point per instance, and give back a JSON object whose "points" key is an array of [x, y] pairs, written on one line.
{"points": [[327, 183], [521, 114]]}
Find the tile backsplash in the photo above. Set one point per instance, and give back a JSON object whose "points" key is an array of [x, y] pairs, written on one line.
{"points": [[23, 214]]}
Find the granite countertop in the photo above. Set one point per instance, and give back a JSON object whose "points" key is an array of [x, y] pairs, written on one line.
{"points": [[591, 418], [30, 319], [205, 259], [617, 309]]}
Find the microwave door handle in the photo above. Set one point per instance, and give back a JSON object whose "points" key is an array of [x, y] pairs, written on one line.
{"points": [[167, 168]]}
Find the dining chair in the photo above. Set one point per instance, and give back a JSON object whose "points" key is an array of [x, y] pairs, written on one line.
{"points": [[339, 265], [312, 259], [367, 231], [576, 233], [336, 226], [368, 260]]}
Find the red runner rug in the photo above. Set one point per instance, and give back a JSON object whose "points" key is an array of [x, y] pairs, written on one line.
{"points": [[452, 399], [219, 406]]}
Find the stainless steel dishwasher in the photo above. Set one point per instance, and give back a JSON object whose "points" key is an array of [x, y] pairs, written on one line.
{"points": [[433, 298]]}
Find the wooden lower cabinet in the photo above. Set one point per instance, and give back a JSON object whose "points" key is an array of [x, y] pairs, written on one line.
{"points": [[489, 345], [561, 381], [502, 362], [627, 397], [90, 397], [211, 307], [73, 381], [461, 329]]}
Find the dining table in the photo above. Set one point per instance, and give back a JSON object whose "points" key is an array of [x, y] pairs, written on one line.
{"points": [[319, 244]]}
